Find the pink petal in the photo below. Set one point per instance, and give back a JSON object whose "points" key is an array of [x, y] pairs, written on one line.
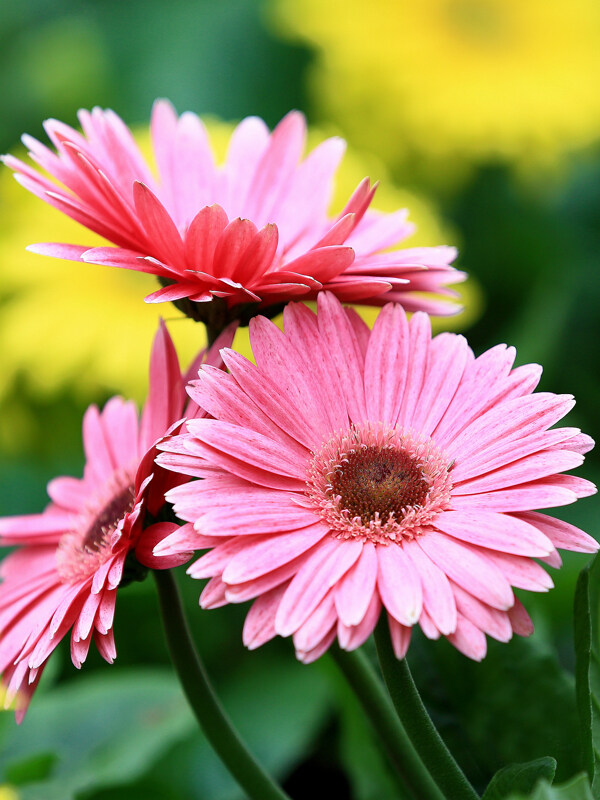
{"points": [[69, 252], [277, 357], [386, 365], [351, 637], [490, 620], [438, 598], [259, 626], [166, 393], [268, 519], [276, 166], [536, 494], [355, 590], [419, 339], [446, 362], [240, 592], [249, 448], [323, 263], [232, 247], [469, 640], [265, 393], [521, 572], [317, 626], [153, 536], [247, 146], [213, 594], [399, 584], [428, 627], [495, 531], [302, 331], [531, 468], [100, 463], [261, 557], [159, 227], [223, 398], [515, 418], [475, 573], [337, 332], [46, 528], [520, 619], [400, 636], [561, 534], [307, 657], [328, 562]]}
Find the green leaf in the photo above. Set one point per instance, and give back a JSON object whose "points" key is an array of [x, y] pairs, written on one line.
{"points": [[587, 672], [576, 789], [36, 768], [520, 778], [101, 730], [516, 706]]}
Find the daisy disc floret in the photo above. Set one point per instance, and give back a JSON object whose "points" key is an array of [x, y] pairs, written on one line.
{"points": [[72, 558], [255, 230], [351, 473]]}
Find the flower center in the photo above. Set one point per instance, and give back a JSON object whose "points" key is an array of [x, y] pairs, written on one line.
{"points": [[91, 541], [378, 483], [107, 520]]}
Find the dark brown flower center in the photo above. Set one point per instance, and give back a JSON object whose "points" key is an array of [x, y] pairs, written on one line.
{"points": [[107, 519], [380, 481]]}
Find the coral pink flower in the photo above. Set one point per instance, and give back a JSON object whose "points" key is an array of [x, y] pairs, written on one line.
{"points": [[351, 473], [254, 230], [73, 556]]}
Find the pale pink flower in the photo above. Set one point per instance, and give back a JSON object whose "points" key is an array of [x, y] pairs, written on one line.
{"points": [[352, 473], [254, 230], [72, 558]]}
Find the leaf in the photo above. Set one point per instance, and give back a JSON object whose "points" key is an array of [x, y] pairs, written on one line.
{"points": [[587, 671], [576, 789], [101, 730], [516, 706], [520, 777]]}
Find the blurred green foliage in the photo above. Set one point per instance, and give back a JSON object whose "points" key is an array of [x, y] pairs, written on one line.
{"points": [[531, 241]]}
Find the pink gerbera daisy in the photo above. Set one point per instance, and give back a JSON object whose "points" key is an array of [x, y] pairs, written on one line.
{"points": [[352, 472], [72, 558], [254, 230]]}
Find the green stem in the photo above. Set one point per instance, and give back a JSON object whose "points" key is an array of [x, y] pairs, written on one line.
{"points": [[375, 702], [208, 710], [423, 733]]}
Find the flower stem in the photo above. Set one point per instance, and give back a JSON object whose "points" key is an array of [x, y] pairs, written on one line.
{"points": [[213, 719], [423, 733], [375, 702]]}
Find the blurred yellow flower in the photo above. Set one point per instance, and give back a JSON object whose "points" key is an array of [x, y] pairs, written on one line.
{"points": [[63, 323], [8, 793], [66, 324], [474, 78]]}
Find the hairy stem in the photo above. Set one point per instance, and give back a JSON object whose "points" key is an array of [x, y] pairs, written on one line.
{"points": [[374, 700], [424, 735]]}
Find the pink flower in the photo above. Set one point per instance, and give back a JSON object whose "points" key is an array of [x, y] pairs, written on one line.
{"points": [[72, 558], [255, 230], [352, 472]]}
